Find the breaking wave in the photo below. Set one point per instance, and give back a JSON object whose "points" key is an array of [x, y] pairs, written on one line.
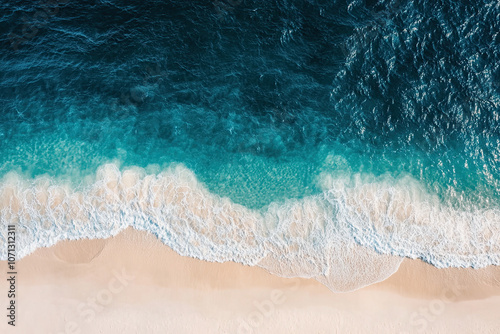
{"points": [[354, 233]]}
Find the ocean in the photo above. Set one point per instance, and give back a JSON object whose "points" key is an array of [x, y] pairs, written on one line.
{"points": [[326, 139]]}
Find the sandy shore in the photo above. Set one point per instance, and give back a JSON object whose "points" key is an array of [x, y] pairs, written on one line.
{"points": [[132, 283]]}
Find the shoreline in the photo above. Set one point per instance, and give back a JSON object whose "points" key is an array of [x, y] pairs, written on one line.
{"points": [[132, 280]]}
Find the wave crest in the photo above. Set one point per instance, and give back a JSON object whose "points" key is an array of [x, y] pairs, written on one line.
{"points": [[345, 237]]}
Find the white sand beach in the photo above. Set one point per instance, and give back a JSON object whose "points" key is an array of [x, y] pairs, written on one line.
{"points": [[132, 283]]}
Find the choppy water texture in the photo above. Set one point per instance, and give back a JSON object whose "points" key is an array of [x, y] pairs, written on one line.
{"points": [[323, 139]]}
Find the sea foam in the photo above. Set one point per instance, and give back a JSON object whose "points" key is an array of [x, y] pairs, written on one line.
{"points": [[353, 234]]}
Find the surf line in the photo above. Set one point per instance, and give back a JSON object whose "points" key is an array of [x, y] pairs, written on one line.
{"points": [[11, 274]]}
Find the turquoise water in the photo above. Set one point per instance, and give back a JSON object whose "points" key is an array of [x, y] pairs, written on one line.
{"points": [[255, 168], [380, 120]]}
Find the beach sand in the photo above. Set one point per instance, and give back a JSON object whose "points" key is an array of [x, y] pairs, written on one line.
{"points": [[132, 283]]}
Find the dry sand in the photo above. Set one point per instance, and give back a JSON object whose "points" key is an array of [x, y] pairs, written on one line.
{"points": [[132, 283]]}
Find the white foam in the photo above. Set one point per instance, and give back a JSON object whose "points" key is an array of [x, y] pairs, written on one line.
{"points": [[335, 237], [399, 217]]}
